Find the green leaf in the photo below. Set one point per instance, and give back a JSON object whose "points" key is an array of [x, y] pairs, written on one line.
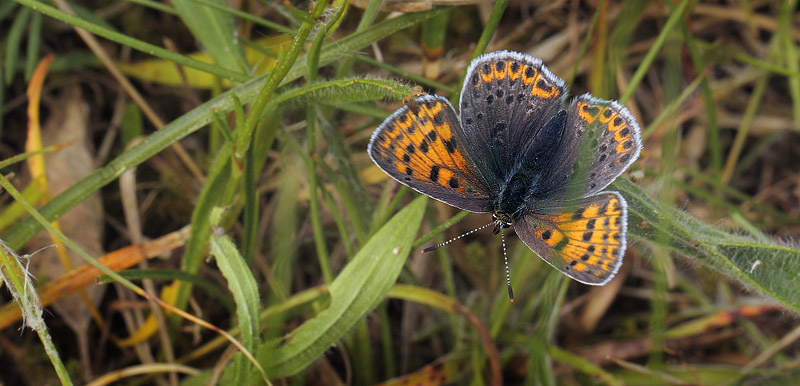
{"points": [[358, 289], [771, 268], [243, 286], [214, 29]]}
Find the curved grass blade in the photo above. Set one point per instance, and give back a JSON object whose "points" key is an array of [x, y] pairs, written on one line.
{"points": [[243, 286], [355, 292]]}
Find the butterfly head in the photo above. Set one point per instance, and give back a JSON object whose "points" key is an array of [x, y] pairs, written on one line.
{"points": [[501, 221]]}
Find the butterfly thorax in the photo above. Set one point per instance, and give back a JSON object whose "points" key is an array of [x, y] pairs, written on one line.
{"points": [[514, 196]]}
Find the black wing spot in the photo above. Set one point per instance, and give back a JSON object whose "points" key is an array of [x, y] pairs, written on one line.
{"points": [[479, 116], [438, 119], [547, 234], [529, 72], [406, 158], [590, 224], [499, 93], [423, 146], [410, 148], [468, 121], [453, 183], [590, 249], [475, 79], [588, 236], [602, 157], [514, 66], [573, 263], [541, 84], [585, 257], [624, 158], [624, 132], [500, 66], [450, 146], [432, 135], [486, 69], [578, 214], [409, 171], [603, 147], [489, 99], [509, 99], [434, 176]]}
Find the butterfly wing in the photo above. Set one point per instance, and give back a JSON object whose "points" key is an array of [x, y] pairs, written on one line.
{"points": [[506, 99], [584, 239], [601, 140], [421, 146]]}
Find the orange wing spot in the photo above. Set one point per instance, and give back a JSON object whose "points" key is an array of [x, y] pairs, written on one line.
{"points": [[613, 208], [429, 126], [611, 253], [576, 251], [555, 237], [612, 239], [487, 78], [444, 176], [571, 226], [563, 218], [621, 147], [618, 136], [605, 119], [422, 112], [612, 222], [597, 237], [526, 80], [500, 74], [617, 127], [542, 93], [583, 114], [403, 126], [580, 267], [591, 211], [514, 75]]}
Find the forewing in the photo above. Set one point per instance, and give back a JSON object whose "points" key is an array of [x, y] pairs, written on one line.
{"points": [[419, 146], [601, 140], [585, 241], [506, 99]]}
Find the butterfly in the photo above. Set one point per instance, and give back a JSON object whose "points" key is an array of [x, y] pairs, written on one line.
{"points": [[515, 152]]}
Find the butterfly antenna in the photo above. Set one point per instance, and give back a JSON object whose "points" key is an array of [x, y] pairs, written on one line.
{"points": [[435, 247], [508, 274]]}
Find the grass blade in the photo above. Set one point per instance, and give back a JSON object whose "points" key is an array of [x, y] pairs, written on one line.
{"points": [[357, 290]]}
